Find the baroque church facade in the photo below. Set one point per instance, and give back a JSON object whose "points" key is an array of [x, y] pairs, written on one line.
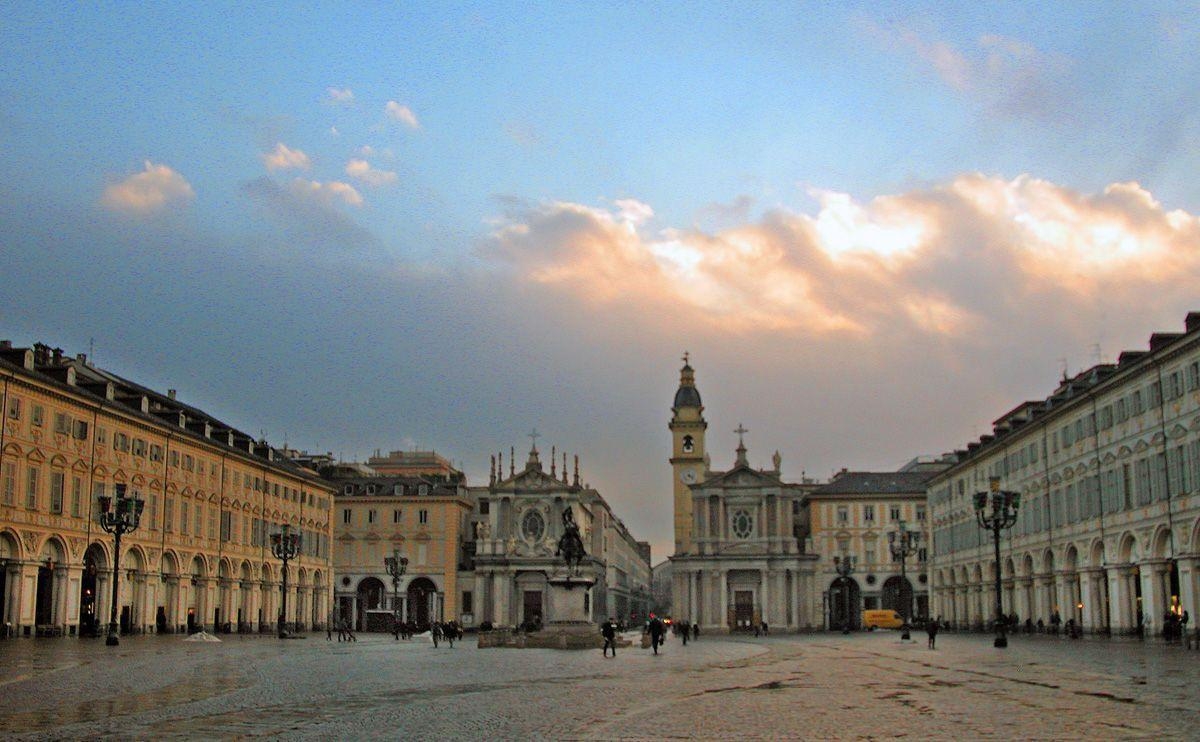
{"points": [[740, 535]]}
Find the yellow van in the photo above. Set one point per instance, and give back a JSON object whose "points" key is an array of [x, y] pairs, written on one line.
{"points": [[887, 619]]}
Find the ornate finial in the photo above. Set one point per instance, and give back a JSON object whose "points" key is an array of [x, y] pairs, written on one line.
{"points": [[741, 449], [777, 460], [533, 436], [512, 461], [576, 470], [564, 467], [686, 356], [492, 471], [553, 462]]}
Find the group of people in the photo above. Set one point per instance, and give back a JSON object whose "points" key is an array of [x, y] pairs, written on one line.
{"points": [[344, 629], [686, 630], [446, 631]]}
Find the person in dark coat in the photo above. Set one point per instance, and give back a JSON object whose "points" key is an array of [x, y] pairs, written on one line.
{"points": [[931, 628], [609, 632], [656, 632], [695, 631]]}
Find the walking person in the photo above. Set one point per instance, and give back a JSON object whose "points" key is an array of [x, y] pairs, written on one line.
{"points": [[451, 634], [436, 632], [656, 632], [609, 631], [342, 630], [695, 631], [931, 628], [685, 631]]}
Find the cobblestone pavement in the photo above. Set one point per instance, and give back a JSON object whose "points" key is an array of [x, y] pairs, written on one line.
{"points": [[821, 686]]}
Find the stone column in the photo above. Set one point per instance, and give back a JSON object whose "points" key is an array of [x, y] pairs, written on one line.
{"points": [[1154, 598], [1120, 598], [764, 602], [66, 596], [724, 599], [1092, 620]]}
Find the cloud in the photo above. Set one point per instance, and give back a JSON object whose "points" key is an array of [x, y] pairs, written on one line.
{"points": [[362, 170], [328, 193], [284, 158], [1007, 76], [403, 114], [310, 213], [947, 262], [339, 96], [147, 192]]}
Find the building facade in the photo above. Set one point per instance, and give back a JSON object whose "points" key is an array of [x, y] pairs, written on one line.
{"points": [[424, 520], [517, 523], [852, 516], [201, 557], [1108, 527], [742, 558]]}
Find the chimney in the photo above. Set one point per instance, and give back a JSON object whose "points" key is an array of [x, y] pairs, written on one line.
{"points": [[58, 356], [170, 394]]}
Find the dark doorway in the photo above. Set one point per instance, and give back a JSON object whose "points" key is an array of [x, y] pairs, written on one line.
{"points": [[191, 621], [160, 620], [844, 600], [89, 624], [45, 596], [532, 616], [897, 595], [743, 609], [126, 617], [3, 592], [419, 591]]}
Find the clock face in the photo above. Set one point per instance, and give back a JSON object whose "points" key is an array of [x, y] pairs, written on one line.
{"points": [[688, 476]]}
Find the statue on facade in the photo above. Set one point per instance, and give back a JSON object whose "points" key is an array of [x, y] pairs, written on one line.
{"points": [[570, 545]]}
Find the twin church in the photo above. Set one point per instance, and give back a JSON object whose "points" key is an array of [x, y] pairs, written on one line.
{"points": [[751, 548]]}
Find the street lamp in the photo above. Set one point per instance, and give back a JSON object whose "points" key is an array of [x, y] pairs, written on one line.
{"points": [[844, 565], [118, 521], [1003, 514], [285, 545], [396, 565], [903, 543]]}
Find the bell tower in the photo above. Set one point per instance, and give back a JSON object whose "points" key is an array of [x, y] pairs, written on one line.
{"points": [[687, 452]]}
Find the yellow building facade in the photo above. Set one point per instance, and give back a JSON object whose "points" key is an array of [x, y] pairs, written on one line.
{"points": [[424, 521], [200, 558]]}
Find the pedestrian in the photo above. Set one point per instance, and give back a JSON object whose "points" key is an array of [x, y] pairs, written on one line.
{"points": [[766, 628], [329, 631], [436, 632], [342, 630], [695, 631], [451, 634], [656, 632], [931, 628], [350, 632], [609, 632]]}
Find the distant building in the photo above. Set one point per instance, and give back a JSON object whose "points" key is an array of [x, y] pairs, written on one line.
{"points": [[421, 519], [415, 464], [1108, 528], [517, 522], [852, 516], [213, 495]]}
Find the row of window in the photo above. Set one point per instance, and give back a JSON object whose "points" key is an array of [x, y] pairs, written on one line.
{"points": [[373, 516], [868, 514], [66, 497], [1119, 488], [64, 424], [398, 489]]}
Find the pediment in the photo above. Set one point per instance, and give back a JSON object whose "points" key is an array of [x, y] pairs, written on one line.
{"points": [[743, 476]]}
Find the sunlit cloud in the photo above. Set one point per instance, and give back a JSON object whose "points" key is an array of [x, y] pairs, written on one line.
{"points": [[327, 193], [403, 114], [147, 192], [940, 261], [285, 158], [339, 96], [361, 170]]}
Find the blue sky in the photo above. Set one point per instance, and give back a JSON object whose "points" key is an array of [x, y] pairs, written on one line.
{"points": [[440, 225]]}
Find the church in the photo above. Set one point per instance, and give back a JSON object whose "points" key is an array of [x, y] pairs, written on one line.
{"points": [[740, 535]]}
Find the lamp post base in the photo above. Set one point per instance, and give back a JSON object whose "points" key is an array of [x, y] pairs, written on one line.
{"points": [[1001, 642]]}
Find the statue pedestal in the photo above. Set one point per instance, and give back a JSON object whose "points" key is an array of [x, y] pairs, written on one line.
{"points": [[571, 625]]}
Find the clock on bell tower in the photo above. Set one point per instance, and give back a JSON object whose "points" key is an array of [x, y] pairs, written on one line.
{"points": [[687, 452]]}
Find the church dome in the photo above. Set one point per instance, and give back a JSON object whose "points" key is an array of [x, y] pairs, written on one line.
{"points": [[687, 396]]}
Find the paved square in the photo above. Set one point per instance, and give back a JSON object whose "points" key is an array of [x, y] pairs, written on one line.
{"points": [[822, 686]]}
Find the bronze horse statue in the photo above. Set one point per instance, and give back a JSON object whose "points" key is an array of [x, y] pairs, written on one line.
{"points": [[570, 545]]}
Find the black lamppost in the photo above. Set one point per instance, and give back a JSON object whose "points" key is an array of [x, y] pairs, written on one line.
{"points": [[903, 543], [118, 521], [844, 565], [396, 565], [285, 545], [1002, 514]]}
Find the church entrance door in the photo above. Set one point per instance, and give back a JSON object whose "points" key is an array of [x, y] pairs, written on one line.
{"points": [[743, 609], [532, 614]]}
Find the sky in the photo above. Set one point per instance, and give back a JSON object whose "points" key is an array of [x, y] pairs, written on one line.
{"points": [[875, 227]]}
